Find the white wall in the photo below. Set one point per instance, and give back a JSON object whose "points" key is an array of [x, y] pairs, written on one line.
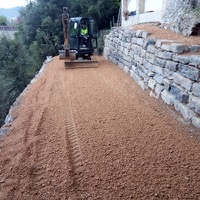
{"points": [[143, 7]]}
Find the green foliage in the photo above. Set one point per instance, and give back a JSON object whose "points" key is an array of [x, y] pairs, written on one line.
{"points": [[40, 34], [3, 21]]}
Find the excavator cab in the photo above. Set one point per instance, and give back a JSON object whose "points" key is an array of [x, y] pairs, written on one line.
{"points": [[80, 40], [83, 36]]}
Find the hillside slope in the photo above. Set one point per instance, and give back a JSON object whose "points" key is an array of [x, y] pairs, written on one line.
{"points": [[94, 134]]}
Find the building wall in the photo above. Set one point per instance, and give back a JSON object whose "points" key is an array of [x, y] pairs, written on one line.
{"points": [[181, 16], [142, 13]]}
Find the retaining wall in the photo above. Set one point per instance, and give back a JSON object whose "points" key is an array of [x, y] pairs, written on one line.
{"points": [[159, 66]]}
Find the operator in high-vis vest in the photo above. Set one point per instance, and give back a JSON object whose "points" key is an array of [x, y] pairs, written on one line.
{"points": [[84, 34]]}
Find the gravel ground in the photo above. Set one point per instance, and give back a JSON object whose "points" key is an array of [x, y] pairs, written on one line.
{"points": [[94, 134]]}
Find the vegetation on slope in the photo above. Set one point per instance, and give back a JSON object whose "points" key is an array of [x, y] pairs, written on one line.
{"points": [[40, 33]]}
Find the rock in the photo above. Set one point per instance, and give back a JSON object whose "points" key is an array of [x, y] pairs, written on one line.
{"points": [[167, 83], [179, 93], [160, 62], [194, 104], [139, 33], [196, 89], [159, 88], [189, 72], [179, 48], [152, 83], [185, 111], [184, 82], [195, 48], [158, 78], [181, 59], [167, 97], [171, 65], [196, 121], [145, 34]]}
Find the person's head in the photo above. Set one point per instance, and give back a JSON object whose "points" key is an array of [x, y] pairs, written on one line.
{"points": [[65, 9], [83, 25]]}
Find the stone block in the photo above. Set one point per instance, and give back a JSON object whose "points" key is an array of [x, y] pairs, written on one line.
{"points": [[152, 83], [127, 58], [179, 93], [167, 74], [196, 121], [135, 77], [184, 82], [189, 72], [196, 89], [143, 85], [139, 33], [167, 83], [159, 88], [140, 41], [194, 104], [165, 47], [151, 49], [150, 57], [185, 111], [127, 46], [180, 58], [194, 59], [134, 40], [127, 63], [143, 53], [128, 39], [159, 43], [157, 70], [138, 59], [158, 78], [131, 72], [160, 62], [137, 50], [154, 94], [149, 42], [145, 34], [133, 68], [150, 74], [195, 48], [171, 65], [163, 55], [167, 97], [147, 64], [179, 48], [121, 66], [126, 69], [126, 51]]}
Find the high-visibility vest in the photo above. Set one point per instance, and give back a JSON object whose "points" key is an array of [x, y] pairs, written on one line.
{"points": [[84, 31]]}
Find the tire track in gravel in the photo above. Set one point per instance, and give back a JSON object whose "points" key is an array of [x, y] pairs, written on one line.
{"points": [[47, 176], [30, 142], [75, 155]]}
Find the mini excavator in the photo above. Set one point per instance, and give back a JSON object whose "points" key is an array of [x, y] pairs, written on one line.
{"points": [[78, 45]]}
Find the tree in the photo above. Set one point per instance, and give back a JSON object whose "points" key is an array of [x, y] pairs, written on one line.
{"points": [[3, 21]]}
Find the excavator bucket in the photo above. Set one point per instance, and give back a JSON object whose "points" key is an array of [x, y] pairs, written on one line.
{"points": [[72, 64]]}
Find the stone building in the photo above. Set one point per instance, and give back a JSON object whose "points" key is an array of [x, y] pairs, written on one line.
{"points": [[181, 16]]}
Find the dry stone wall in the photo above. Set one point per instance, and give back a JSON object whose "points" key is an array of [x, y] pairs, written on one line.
{"points": [[181, 16], [159, 66]]}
